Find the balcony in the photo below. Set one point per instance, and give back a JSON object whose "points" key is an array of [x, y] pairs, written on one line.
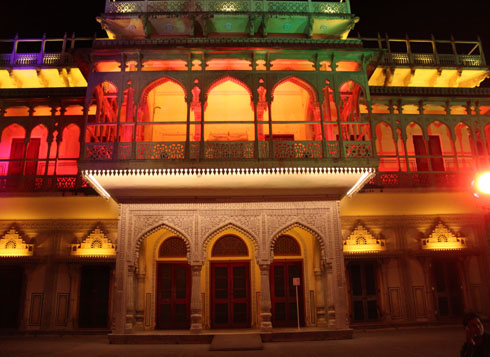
{"points": [[217, 151], [151, 6], [129, 19]]}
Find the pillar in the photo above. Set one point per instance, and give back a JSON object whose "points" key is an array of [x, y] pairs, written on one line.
{"points": [[129, 291], [330, 313], [320, 300], [265, 299], [196, 302], [140, 299]]}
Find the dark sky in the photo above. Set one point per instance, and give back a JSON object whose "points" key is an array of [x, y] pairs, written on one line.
{"points": [[417, 18]]}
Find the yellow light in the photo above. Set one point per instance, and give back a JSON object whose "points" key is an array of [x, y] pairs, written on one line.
{"points": [[483, 183]]}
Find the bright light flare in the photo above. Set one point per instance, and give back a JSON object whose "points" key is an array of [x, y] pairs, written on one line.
{"points": [[482, 183]]}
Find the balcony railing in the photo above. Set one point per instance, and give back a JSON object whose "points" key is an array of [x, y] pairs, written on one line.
{"points": [[233, 150], [428, 52], [152, 6], [450, 180], [57, 56], [42, 183]]}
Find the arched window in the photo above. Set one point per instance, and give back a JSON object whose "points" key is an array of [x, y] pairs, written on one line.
{"points": [[230, 246], [173, 247], [286, 246]]}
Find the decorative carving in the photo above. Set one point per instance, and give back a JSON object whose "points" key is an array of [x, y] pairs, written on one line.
{"points": [[230, 246], [297, 150], [95, 245], [160, 151], [442, 238], [172, 248], [217, 232], [99, 151], [13, 245], [361, 240], [286, 246], [229, 150]]}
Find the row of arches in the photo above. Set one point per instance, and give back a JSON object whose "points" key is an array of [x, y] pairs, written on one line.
{"points": [[229, 282], [226, 111], [39, 151], [432, 147]]}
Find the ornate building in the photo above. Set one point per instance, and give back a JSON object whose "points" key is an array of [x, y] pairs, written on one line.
{"points": [[240, 164]]}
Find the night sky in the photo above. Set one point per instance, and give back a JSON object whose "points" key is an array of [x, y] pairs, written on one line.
{"points": [[417, 18]]}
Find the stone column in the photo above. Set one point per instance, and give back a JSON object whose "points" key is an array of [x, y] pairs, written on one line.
{"points": [[330, 296], [129, 321], [140, 300], [320, 299], [265, 299], [196, 303]]}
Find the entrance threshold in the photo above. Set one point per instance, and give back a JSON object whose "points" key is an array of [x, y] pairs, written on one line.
{"points": [[206, 337]]}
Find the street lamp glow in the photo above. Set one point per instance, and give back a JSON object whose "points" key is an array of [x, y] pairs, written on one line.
{"points": [[482, 183]]}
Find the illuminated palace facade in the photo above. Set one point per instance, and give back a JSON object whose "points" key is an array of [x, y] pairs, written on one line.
{"points": [[192, 169]]}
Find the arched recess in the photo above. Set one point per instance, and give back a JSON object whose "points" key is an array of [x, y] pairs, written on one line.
{"points": [[69, 151], [228, 116], [163, 286], [231, 256], [441, 147], [12, 148], [386, 148], [296, 116], [230, 228], [308, 267], [299, 226], [163, 100], [101, 127], [154, 232], [465, 146], [287, 299]]}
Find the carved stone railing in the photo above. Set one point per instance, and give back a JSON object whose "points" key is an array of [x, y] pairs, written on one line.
{"points": [[298, 150], [227, 150], [159, 151], [99, 151], [57, 183], [357, 149], [422, 180], [151, 6]]}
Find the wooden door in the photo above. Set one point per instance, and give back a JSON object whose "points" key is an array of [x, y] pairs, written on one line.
{"points": [[283, 293], [363, 291], [230, 295], [447, 285], [94, 297], [10, 296], [173, 296], [17, 157]]}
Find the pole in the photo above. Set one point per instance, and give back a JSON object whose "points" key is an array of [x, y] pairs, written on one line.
{"points": [[297, 306]]}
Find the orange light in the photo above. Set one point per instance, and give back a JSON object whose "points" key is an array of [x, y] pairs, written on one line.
{"points": [[482, 183]]}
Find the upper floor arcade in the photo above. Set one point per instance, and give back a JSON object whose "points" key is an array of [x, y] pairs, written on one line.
{"points": [[237, 18]]}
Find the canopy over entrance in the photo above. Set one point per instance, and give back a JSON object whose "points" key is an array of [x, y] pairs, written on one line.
{"points": [[158, 184]]}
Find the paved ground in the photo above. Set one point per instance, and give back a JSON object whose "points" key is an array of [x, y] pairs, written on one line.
{"points": [[430, 342]]}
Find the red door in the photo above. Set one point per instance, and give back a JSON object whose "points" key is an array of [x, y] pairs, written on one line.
{"points": [[283, 293], [17, 153], [230, 297], [173, 296]]}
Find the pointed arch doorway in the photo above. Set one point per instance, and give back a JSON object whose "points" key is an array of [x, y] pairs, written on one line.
{"points": [[230, 283], [173, 285], [286, 269]]}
